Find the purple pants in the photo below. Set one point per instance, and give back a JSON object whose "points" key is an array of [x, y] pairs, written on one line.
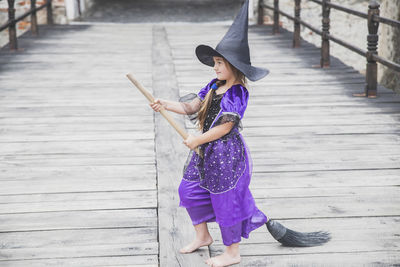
{"points": [[234, 211]]}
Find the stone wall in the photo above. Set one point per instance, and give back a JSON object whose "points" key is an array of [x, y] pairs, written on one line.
{"points": [[352, 29], [389, 44]]}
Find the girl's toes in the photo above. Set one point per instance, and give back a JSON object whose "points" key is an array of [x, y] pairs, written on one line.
{"points": [[184, 250]]}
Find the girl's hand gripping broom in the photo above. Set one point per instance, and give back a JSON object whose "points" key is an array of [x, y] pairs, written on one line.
{"points": [[163, 112]]}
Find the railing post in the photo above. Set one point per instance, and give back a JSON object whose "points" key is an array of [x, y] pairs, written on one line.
{"points": [[276, 17], [49, 13], [12, 31], [325, 61], [372, 39], [296, 35], [79, 7], [34, 27], [260, 13]]}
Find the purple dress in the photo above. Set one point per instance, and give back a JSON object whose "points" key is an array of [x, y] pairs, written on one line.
{"points": [[215, 187]]}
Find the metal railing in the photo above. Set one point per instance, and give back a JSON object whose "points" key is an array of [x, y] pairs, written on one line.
{"points": [[12, 20], [370, 54]]}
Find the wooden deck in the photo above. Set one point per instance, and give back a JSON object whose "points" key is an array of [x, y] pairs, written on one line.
{"points": [[89, 174]]}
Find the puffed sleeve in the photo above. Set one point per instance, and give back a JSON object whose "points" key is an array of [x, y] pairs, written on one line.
{"points": [[191, 103], [233, 106]]}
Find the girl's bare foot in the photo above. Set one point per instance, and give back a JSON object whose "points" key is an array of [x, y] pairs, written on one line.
{"points": [[196, 243], [224, 259], [229, 257]]}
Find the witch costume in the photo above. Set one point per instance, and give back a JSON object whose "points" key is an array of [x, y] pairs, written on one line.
{"points": [[215, 187], [215, 182]]}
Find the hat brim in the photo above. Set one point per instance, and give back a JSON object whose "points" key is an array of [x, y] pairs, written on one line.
{"points": [[206, 53]]}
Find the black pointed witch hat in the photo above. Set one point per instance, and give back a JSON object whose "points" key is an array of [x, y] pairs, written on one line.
{"points": [[234, 47]]}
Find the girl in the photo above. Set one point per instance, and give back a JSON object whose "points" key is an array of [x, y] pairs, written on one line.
{"points": [[215, 187], [215, 183]]}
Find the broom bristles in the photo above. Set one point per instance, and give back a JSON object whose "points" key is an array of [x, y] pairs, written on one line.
{"points": [[290, 238]]}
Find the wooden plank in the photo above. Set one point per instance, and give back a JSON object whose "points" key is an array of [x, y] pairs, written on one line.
{"points": [[77, 172], [75, 120], [373, 178], [326, 140], [137, 260], [316, 207], [77, 182], [73, 101], [81, 147], [322, 110], [392, 192], [66, 128], [175, 228], [326, 166], [92, 219], [73, 136], [43, 186], [316, 130], [28, 203], [339, 247], [78, 237], [71, 159], [82, 251], [359, 258]]}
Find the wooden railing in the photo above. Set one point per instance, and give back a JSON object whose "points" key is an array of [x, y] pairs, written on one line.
{"points": [[370, 54], [12, 21]]}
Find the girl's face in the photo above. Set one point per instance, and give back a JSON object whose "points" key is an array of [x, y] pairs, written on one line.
{"points": [[222, 69]]}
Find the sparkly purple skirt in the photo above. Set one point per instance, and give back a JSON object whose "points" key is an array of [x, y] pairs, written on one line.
{"points": [[226, 199], [225, 161]]}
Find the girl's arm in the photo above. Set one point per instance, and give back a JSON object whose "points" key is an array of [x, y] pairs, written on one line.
{"points": [[213, 134], [177, 107]]}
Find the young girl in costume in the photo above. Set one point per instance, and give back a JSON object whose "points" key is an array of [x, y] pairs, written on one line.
{"points": [[215, 187], [215, 183]]}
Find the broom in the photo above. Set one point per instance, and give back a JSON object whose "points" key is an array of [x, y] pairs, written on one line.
{"points": [[285, 236], [290, 238]]}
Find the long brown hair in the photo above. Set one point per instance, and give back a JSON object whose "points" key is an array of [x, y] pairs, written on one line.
{"points": [[205, 104]]}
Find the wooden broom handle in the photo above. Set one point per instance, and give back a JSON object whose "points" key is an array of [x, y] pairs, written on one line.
{"points": [[163, 112]]}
